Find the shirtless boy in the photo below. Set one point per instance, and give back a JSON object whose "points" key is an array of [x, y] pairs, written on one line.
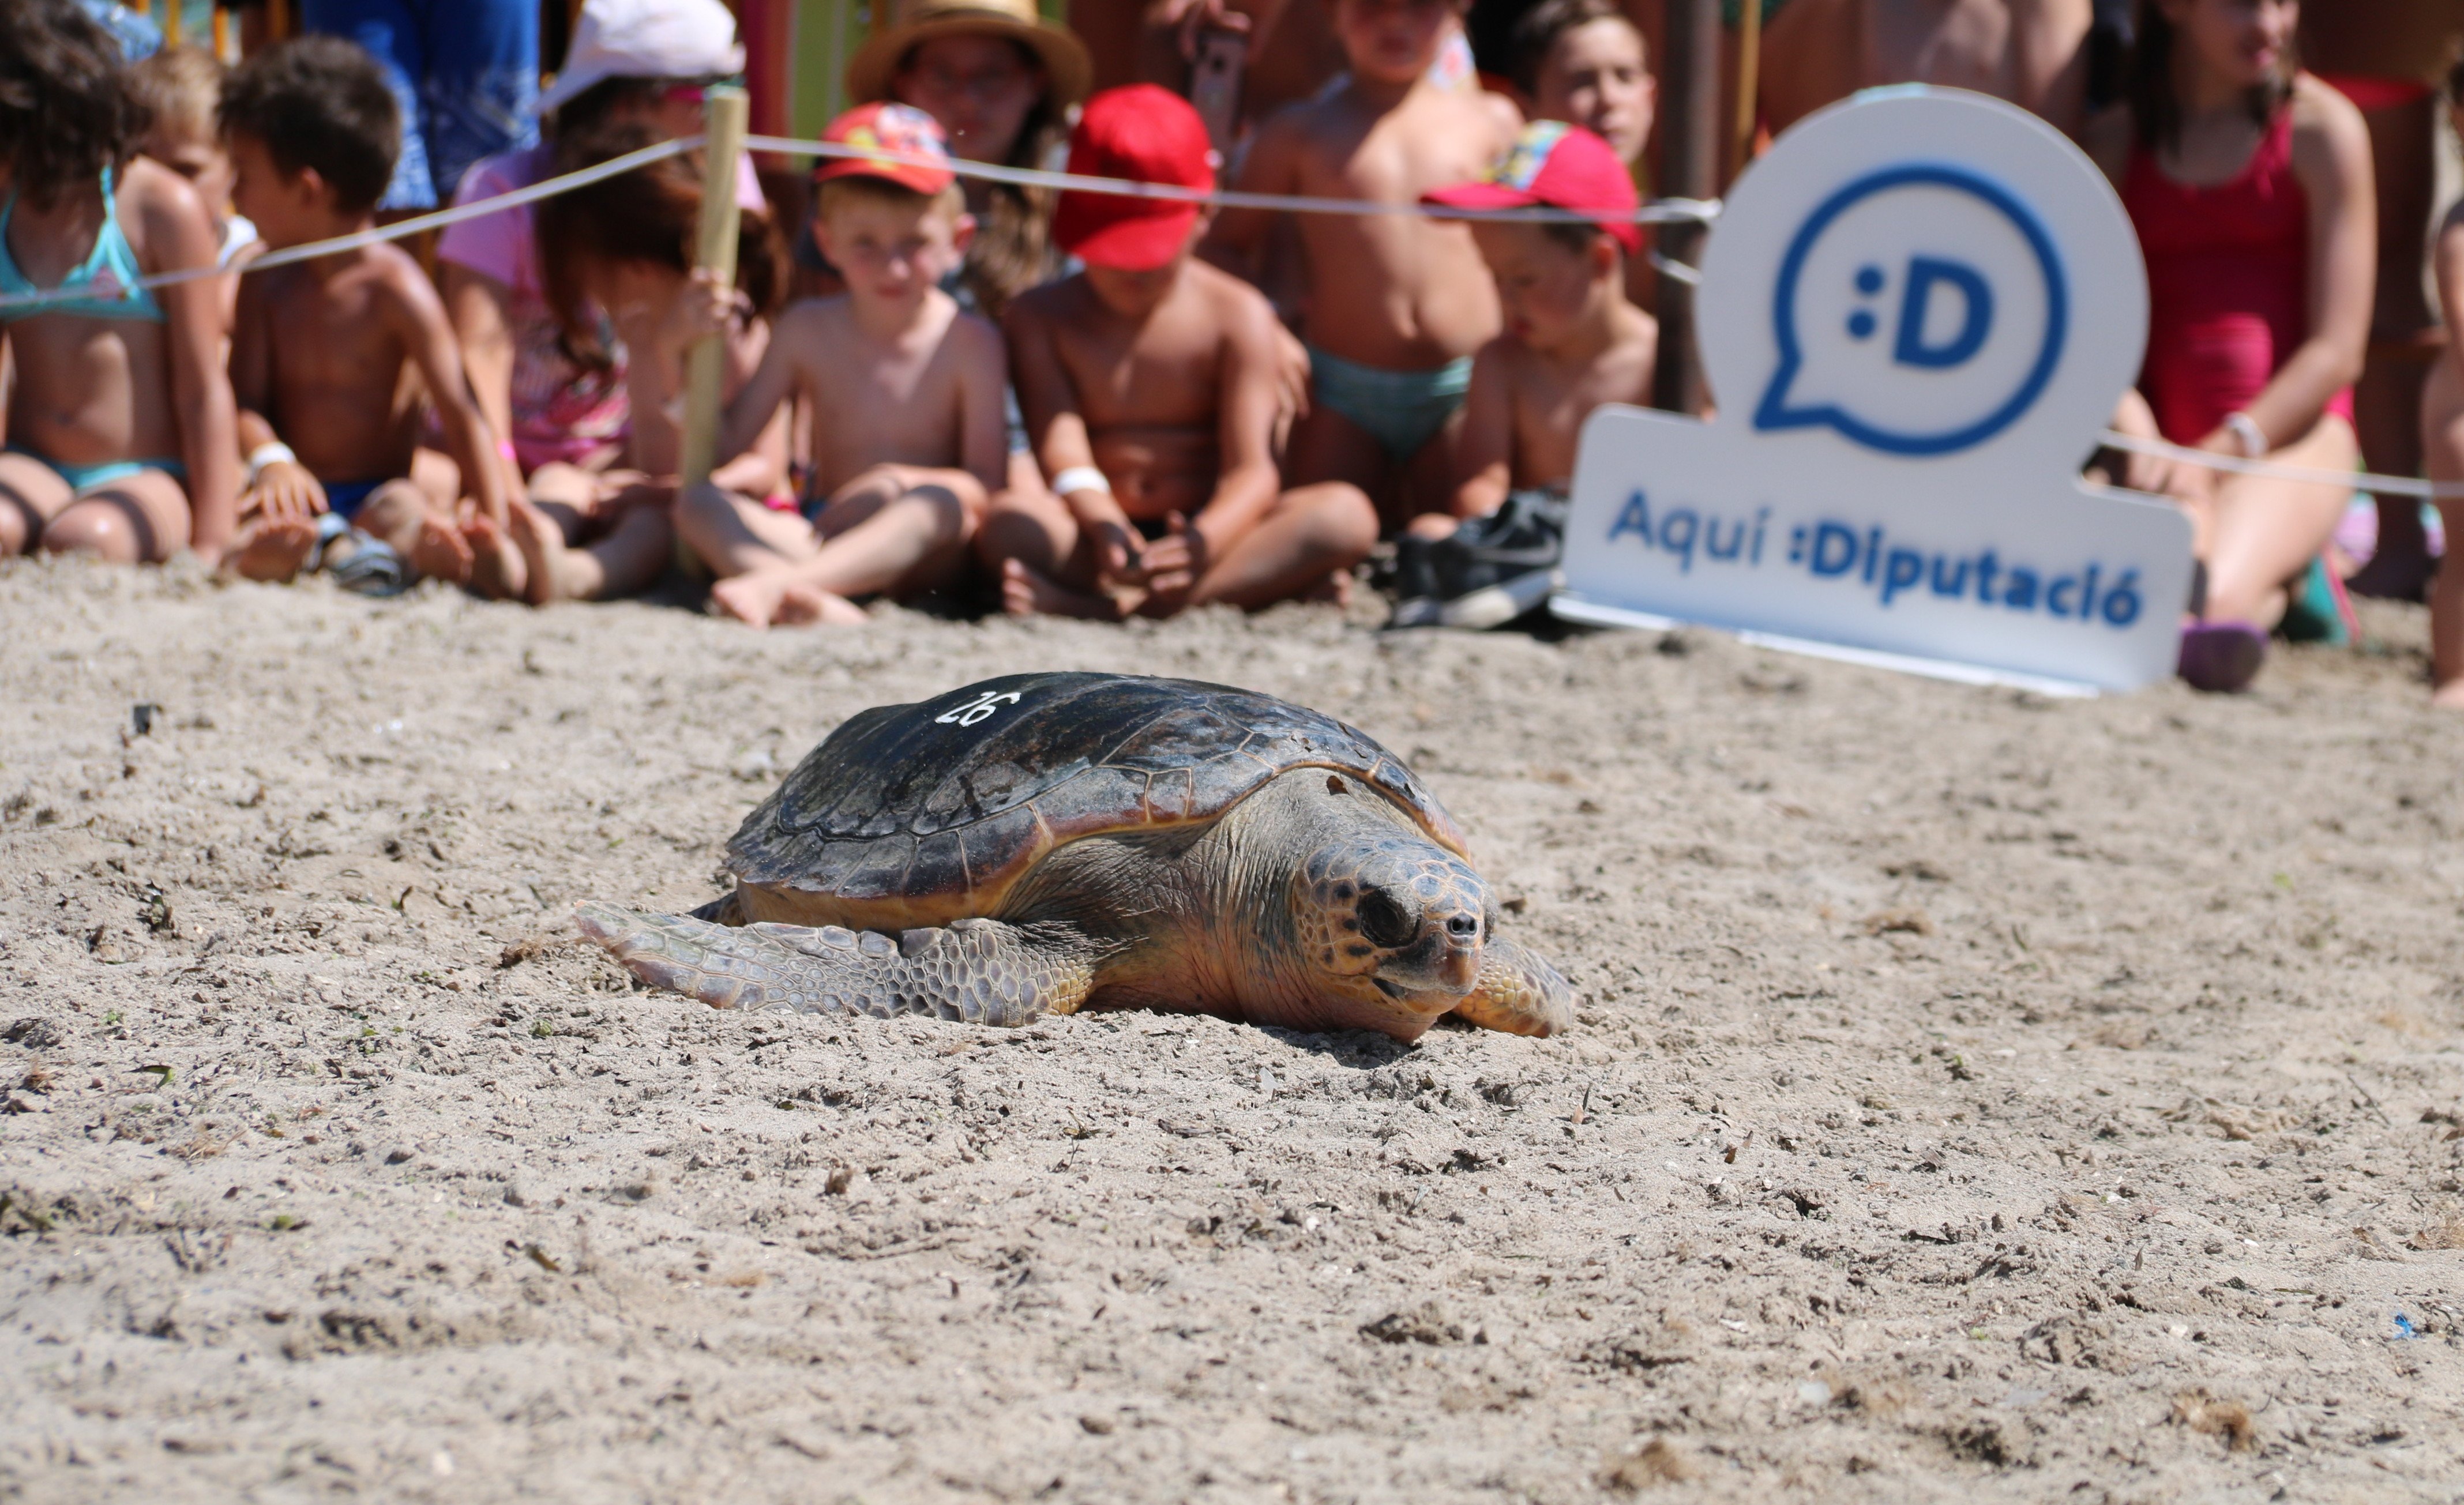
{"points": [[1573, 341], [1149, 385], [904, 390], [319, 346], [1396, 303]]}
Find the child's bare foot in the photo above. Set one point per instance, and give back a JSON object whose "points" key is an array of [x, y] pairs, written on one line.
{"points": [[541, 543], [773, 598], [276, 549], [802, 605], [1334, 590], [2450, 695], [497, 570], [439, 552], [1028, 592]]}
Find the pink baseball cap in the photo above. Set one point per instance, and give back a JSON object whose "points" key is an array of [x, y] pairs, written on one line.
{"points": [[1556, 165], [1147, 134], [882, 127]]}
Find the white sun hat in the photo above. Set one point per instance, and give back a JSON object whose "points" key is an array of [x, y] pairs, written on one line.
{"points": [[647, 39]]}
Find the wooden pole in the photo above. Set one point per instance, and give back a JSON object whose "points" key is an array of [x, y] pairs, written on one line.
{"points": [[172, 22], [724, 113], [1749, 58], [222, 34], [1689, 165]]}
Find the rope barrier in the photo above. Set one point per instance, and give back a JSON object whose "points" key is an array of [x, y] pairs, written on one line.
{"points": [[2358, 480], [1660, 212], [1691, 276], [399, 229]]}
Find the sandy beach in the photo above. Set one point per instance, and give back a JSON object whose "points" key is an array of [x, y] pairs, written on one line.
{"points": [[1975, 1097]]}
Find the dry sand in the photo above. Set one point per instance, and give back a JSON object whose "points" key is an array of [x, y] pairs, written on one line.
{"points": [[1975, 1097]]}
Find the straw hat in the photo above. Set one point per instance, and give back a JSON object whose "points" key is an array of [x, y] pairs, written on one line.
{"points": [[1064, 59]]}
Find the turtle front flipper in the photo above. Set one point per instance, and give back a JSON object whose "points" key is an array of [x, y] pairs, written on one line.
{"points": [[980, 971], [1517, 992]]}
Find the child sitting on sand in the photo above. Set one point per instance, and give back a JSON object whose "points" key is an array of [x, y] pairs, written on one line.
{"points": [[318, 348], [182, 87], [119, 394], [908, 440], [1396, 303], [1573, 341], [616, 256], [1149, 383]]}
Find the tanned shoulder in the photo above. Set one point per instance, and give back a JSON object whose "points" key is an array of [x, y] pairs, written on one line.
{"points": [[172, 218], [975, 337], [401, 276], [803, 330], [2325, 113], [1237, 302]]}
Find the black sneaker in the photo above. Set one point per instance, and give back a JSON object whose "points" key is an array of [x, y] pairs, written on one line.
{"points": [[1415, 583], [1499, 567]]}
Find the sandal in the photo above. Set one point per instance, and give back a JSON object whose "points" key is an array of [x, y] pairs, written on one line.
{"points": [[371, 567], [2221, 657]]}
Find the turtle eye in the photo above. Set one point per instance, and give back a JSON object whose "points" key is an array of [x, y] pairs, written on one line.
{"points": [[1384, 921]]}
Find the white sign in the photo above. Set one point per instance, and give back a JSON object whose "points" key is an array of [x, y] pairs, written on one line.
{"points": [[1917, 311]]}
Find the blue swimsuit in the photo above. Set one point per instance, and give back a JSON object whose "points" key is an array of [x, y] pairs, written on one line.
{"points": [[107, 284]]}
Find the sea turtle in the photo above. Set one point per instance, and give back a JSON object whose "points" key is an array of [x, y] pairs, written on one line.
{"points": [[1042, 842]]}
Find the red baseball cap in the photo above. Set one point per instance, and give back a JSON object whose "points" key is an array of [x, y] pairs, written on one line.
{"points": [[1147, 134], [1556, 165], [883, 127]]}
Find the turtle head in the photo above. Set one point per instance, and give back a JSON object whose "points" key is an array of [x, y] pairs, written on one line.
{"points": [[1396, 909]]}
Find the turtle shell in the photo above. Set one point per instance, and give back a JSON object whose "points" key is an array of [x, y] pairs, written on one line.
{"points": [[923, 813]]}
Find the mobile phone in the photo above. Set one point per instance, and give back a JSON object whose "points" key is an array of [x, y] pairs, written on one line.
{"points": [[1215, 85]]}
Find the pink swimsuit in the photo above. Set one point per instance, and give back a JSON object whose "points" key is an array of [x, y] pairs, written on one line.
{"points": [[2228, 284]]}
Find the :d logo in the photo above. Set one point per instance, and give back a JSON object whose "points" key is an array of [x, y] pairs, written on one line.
{"points": [[1963, 363]]}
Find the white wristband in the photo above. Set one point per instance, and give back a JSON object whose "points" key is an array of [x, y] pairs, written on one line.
{"points": [[273, 452], [2247, 433], [1081, 478]]}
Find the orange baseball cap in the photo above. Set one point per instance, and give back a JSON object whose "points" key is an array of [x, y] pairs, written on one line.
{"points": [[889, 128]]}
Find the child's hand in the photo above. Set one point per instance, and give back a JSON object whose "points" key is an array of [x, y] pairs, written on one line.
{"points": [[1119, 554], [1292, 378], [285, 488], [1175, 561], [702, 310], [1190, 19]]}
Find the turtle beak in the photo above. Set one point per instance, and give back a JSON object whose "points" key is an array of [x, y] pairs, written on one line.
{"points": [[1460, 966], [1444, 959]]}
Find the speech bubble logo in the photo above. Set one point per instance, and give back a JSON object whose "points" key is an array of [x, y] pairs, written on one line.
{"points": [[1920, 311]]}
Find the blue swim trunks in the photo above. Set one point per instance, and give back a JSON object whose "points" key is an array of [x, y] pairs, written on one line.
{"points": [[345, 498], [1402, 410], [85, 478]]}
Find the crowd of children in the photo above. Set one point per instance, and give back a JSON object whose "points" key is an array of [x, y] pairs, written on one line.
{"points": [[1096, 406]]}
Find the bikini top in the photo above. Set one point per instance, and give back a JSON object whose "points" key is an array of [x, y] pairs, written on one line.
{"points": [[107, 279]]}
